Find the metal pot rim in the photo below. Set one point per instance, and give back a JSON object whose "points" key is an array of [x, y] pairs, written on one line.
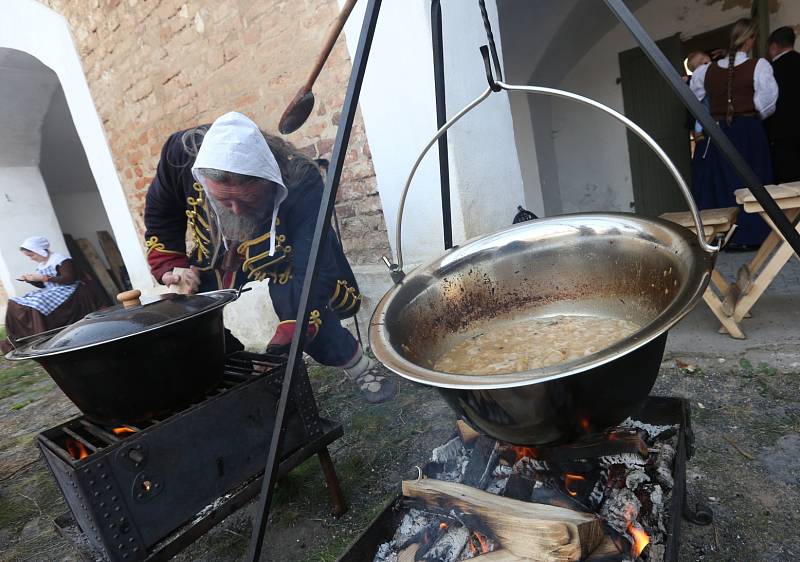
{"points": [[672, 314], [28, 351]]}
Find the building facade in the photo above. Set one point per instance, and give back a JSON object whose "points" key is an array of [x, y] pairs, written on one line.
{"points": [[90, 91]]}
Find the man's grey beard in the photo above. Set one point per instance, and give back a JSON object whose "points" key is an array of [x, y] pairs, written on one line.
{"points": [[238, 227]]}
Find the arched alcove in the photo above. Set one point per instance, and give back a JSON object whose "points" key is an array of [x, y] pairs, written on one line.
{"points": [[56, 169], [45, 179]]}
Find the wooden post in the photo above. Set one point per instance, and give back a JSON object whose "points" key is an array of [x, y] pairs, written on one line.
{"points": [[98, 268], [113, 257]]}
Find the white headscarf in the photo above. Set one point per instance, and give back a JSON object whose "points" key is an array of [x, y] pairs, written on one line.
{"points": [[235, 144], [36, 244]]}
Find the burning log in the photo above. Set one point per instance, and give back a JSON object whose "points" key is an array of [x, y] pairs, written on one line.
{"points": [[550, 496], [664, 461], [536, 532], [620, 509], [481, 462], [608, 551], [605, 444], [519, 487], [500, 556], [448, 461], [408, 554], [468, 435], [449, 546]]}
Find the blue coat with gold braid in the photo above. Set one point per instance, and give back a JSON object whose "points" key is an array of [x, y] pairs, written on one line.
{"points": [[175, 202]]}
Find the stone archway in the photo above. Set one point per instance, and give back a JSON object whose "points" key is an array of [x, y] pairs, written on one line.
{"points": [[54, 147]]}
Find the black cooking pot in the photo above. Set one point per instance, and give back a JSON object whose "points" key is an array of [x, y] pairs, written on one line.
{"points": [[137, 361]]}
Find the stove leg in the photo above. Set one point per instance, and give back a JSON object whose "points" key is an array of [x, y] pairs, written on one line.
{"points": [[339, 503]]}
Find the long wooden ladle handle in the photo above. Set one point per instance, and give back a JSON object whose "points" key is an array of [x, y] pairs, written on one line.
{"points": [[330, 41]]}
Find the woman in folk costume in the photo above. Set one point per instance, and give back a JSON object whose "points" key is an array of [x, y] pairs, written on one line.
{"points": [[741, 92], [250, 201], [61, 300]]}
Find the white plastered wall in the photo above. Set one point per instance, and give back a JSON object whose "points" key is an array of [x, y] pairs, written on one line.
{"points": [[24, 203], [25, 210], [34, 29], [397, 102]]}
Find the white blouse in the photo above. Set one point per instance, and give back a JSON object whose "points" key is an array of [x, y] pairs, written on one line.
{"points": [[765, 86]]}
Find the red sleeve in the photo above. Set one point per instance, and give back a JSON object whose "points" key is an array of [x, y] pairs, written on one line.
{"points": [[161, 262]]}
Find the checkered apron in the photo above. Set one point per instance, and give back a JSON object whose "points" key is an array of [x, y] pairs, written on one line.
{"points": [[53, 295]]}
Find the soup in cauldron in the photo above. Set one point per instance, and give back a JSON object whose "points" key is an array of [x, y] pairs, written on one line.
{"points": [[532, 343]]}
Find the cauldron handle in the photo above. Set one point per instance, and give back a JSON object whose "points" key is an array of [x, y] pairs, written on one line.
{"points": [[397, 268]]}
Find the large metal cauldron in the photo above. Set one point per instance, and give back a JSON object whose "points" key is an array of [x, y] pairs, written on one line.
{"points": [[648, 271], [138, 360], [622, 266]]}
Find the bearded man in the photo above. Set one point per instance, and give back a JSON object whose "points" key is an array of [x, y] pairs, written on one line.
{"points": [[250, 202]]}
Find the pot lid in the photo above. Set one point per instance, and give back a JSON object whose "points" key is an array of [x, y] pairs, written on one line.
{"points": [[130, 318]]}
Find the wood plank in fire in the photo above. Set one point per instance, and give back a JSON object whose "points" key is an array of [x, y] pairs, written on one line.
{"points": [[540, 533]]}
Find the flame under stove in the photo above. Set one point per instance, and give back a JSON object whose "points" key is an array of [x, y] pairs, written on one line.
{"points": [[142, 491], [632, 477]]}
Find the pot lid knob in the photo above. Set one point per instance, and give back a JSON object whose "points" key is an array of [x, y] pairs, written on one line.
{"points": [[130, 298]]}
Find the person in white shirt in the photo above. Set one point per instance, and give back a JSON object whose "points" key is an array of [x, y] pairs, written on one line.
{"points": [[740, 92]]}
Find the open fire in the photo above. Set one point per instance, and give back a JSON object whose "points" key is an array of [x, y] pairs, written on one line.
{"points": [[622, 480], [76, 449], [640, 538], [123, 431]]}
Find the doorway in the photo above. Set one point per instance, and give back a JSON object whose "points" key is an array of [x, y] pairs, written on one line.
{"points": [[649, 101]]}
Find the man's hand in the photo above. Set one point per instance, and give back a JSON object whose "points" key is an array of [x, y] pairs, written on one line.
{"points": [[33, 277], [182, 280]]}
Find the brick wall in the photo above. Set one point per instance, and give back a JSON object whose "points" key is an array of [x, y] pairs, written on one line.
{"points": [[156, 66]]}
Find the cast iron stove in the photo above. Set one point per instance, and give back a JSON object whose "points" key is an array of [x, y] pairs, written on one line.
{"points": [[145, 492]]}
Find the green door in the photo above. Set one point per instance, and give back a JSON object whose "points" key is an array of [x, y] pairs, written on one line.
{"points": [[650, 103]]}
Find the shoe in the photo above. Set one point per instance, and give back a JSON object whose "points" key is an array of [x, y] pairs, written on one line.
{"points": [[375, 386]]}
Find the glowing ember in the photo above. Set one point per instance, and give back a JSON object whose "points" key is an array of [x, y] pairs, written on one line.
{"points": [[122, 431], [640, 538], [484, 542], [76, 449], [585, 425], [570, 480], [443, 526], [523, 452]]}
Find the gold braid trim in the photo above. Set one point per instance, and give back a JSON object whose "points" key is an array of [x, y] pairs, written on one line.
{"points": [[313, 318], [257, 272], [343, 295], [153, 243], [339, 286], [201, 241], [283, 278], [356, 299]]}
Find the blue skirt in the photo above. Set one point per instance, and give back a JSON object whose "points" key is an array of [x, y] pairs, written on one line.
{"points": [[714, 179]]}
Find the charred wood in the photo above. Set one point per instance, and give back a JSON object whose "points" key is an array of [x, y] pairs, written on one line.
{"points": [[528, 530], [481, 462]]}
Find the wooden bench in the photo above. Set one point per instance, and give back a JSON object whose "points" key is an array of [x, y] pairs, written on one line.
{"points": [[719, 295], [755, 277]]}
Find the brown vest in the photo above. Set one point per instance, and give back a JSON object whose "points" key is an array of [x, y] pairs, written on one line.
{"points": [[716, 84]]}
